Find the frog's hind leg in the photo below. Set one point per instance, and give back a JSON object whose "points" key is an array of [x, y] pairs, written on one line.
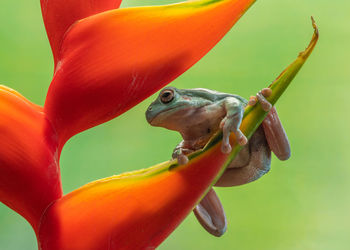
{"points": [[211, 214], [276, 136], [274, 131], [258, 164]]}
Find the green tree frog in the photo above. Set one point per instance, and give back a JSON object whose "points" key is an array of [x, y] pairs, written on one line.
{"points": [[198, 114]]}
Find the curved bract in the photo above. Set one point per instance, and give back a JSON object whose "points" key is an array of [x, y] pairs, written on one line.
{"points": [[29, 171], [60, 15], [111, 61], [138, 210]]}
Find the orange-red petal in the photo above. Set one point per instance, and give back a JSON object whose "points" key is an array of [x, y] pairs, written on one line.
{"points": [[111, 61], [29, 171], [60, 15]]}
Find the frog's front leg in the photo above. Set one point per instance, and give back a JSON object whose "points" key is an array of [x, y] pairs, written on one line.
{"points": [[231, 123], [254, 159]]}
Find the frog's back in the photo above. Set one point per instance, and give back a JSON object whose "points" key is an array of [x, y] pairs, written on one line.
{"points": [[209, 94]]}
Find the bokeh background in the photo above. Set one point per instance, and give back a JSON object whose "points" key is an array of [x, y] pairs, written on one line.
{"points": [[303, 203]]}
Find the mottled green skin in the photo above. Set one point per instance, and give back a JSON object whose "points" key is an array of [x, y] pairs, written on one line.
{"points": [[195, 98], [197, 114]]}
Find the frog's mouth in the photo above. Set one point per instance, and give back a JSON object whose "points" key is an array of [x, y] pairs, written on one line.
{"points": [[159, 118]]}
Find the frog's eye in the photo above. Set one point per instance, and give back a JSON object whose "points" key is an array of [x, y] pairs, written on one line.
{"points": [[167, 96]]}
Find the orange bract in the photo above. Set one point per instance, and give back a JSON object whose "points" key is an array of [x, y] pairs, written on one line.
{"points": [[111, 61], [60, 15], [136, 211], [29, 172]]}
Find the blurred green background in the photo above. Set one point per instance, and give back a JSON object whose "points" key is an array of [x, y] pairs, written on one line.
{"points": [[300, 204]]}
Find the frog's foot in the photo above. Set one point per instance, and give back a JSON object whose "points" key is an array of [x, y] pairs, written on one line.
{"points": [[276, 135], [181, 155], [231, 124], [182, 159], [211, 214], [261, 97]]}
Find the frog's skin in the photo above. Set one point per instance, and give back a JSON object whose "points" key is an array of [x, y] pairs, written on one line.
{"points": [[198, 114]]}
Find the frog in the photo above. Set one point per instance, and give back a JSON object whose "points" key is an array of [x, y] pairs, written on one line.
{"points": [[197, 114]]}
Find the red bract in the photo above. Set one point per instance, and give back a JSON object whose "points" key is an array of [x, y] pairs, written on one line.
{"points": [[106, 61], [29, 170], [60, 15]]}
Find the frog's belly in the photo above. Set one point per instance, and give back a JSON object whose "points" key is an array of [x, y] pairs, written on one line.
{"points": [[202, 123]]}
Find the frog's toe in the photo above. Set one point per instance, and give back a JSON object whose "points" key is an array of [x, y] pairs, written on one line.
{"points": [[182, 159], [226, 148], [241, 138], [230, 124], [222, 123], [266, 92], [252, 101], [265, 105]]}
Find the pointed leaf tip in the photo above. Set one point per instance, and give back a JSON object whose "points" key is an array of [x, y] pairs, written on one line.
{"points": [[60, 15], [313, 41]]}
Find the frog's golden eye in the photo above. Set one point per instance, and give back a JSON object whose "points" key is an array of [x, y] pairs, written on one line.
{"points": [[167, 96]]}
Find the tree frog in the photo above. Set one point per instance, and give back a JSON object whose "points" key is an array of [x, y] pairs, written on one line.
{"points": [[198, 114]]}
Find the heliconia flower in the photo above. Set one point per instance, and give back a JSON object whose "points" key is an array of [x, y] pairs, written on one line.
{"points": [[138, 210], [106, 61]]}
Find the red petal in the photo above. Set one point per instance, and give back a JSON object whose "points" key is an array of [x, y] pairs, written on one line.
{"points": [[112, 61], [60, 15], [29, 172]]}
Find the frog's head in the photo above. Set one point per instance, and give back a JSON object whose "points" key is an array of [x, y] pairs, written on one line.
{"points": [[171, 108]]}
